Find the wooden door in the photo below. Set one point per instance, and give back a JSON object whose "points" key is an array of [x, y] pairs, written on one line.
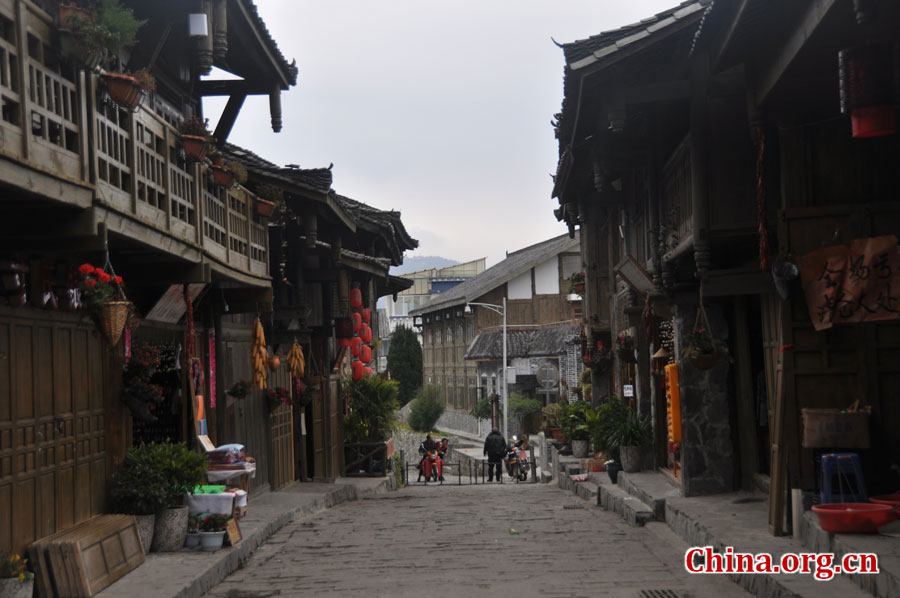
{"points": [[319, 434], [52, 425], [335, 437], [773, 341], [281, 422]]}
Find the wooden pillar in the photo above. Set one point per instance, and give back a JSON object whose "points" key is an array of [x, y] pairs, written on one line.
{"points": [[275, 107], [203, 51], [220, 29], [699, 152]]}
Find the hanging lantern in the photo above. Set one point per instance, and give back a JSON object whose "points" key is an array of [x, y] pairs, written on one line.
{"points": [[367, 370], [345, 342], [355, 346], [355, 298], [358, 369], [365, 333], [357, 321], [867, 89], [365, 354], [367, 315]]}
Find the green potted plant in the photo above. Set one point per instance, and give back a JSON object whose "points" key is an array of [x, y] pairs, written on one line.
{"points": [[575, 427], [128, 90], [96, 31], [212, 531], [183, 469], [195, 137], [269, 199], [631, 433], [576, 283], [139, 489], [192, 540], [15, 579], [553, 413], [521, 408]]}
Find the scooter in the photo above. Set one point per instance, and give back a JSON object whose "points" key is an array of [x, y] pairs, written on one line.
{"points": [[431, 466], [516, 463]]}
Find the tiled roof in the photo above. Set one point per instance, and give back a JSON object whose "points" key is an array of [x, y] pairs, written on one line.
{"points": [[385, 223], [290, 70], [498, 274], [312, 179], [582, 53], [537, 342]]}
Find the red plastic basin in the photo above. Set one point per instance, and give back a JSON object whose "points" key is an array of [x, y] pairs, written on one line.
{"points": [[854, 517], [887, 499]]}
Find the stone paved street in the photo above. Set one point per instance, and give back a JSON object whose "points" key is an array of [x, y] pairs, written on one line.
{"points": [[458, 541]]}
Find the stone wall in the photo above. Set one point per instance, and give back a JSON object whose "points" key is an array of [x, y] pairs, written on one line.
{"points": [[707, 449]]}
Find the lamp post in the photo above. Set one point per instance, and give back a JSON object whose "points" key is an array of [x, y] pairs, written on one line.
{"points": [[500, 309]]}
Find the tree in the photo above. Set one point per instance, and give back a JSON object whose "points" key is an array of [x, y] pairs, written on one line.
{"points": [[426, 409], [521, 407], [405, 363]]}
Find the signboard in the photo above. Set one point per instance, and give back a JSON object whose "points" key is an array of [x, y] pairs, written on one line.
{"points": [[859, 283], [171, 307], [635, 275], [628, 391], [205, 443], [233, 531]]}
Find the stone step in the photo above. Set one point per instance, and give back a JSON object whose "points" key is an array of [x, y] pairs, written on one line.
{"points": [[615, 499], [651, 488], [588, 491]]}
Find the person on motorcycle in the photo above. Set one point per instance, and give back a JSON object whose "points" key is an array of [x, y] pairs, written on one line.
{"points": [[427, 447], [495, 450], [523, 443]]}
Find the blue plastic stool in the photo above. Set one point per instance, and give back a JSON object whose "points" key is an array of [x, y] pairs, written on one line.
{"points": [[842, 478]]}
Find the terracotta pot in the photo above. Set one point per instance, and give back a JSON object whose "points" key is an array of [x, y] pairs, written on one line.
{"points": [[145, 527], [170, 530], [556, 434], [265, 207], [222, 176], [123, 90], [578, 287], [195, 146]]}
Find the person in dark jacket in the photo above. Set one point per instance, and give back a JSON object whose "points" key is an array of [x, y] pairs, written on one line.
{"points": [[495, 450]]}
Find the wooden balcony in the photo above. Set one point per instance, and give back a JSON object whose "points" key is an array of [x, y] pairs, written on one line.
{"points": [[677, 209], [64, 141]]}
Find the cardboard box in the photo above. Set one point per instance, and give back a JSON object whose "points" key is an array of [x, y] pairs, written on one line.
{"points": [[832, 428]]}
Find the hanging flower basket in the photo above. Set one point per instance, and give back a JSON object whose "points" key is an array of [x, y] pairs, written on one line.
{"points": [[704, 361], [701, 349], [195, 146], [265, 207], [124, 90], [222, 176], [111, 318]]}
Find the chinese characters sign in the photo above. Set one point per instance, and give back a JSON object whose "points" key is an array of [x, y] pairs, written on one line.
{"points": [[859, 283]]}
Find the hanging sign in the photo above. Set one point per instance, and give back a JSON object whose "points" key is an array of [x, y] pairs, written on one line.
{"points": [[628, 390], [859, 283], [171, 306]]}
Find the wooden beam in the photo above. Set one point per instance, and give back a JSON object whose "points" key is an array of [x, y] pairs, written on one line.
{"points": [[165, 273], [231, 88], [770, 76], [248, 300], [229, 115], [719, 47]]}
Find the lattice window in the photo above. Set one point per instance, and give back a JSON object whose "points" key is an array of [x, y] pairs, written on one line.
{"points": [[151, 167], [214, 217], [257, 242], [239, 224], [113, 146], [54, 116], [182, 194]]}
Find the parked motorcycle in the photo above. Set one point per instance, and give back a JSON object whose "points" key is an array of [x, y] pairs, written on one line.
{"points": [[431, 465], [516, 463]]}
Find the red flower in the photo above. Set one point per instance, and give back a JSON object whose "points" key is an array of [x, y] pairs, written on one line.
{"points": [[90, 282], [118, 280], [85, 269], [104, 277]]}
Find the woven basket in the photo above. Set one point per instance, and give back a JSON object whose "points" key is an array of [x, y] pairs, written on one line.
{"points": [[111, 319]]}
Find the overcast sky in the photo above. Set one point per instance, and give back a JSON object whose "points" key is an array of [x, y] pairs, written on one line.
{"points": [[440, 110]]}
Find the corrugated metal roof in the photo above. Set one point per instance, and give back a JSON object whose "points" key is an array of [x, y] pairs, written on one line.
{"points": [[498, 274], [549, 341]]}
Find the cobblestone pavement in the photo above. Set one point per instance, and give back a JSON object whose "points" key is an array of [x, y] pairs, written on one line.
{"points": [[486, 540]]}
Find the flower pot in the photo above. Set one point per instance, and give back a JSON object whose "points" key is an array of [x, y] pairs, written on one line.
{"points": [[211, 541], [631, 458], [195, 147], [145, 527], [192, 540], [612, 470], [704, 361], [111, 318], [170, 530], [222, 176], [13, 588], [556, 434], [578, 288], [265, 207], [123, 90], [580, 448]]}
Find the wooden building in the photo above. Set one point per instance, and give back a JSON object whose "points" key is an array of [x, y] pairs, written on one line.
{"points": [[698, 149], [534, 281]]}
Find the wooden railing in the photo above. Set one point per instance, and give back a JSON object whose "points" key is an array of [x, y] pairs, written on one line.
{"points": [[61, 123], [677, 207]]}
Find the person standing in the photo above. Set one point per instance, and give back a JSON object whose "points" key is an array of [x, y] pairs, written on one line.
{"points": [[495, 450]]}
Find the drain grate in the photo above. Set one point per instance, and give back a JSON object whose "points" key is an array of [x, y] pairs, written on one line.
{"points": [[659, 594]]}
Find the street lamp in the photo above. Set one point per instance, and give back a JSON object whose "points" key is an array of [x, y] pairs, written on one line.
{"points": [[500, 309]]}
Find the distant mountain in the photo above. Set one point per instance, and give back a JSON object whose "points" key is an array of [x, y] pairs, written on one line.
{"points": [[421, 262]]}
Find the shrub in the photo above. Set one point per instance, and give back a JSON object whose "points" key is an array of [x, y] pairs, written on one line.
{"points": [[426, 408], [172, 466], [373, 410], [139, 487], [521, 407], [482, 410], [604, 423]]}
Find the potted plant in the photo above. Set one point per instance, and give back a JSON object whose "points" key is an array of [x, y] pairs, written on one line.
{"points": [[277, 397], [702, 350], [222, 176], [129, 89], [192, 540], [576, 283], [195, 137], [92, 33], [269, 199], [183, 469], [630, 434], [552, 414], [16, 581], [212, 531], [139, 489], [575, 427], [104, 297], [521, 408], [238, 170], [240, 389]]}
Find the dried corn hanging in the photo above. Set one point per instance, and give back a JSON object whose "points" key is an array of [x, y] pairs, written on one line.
{"points": [[296, 361], [259, 356]]}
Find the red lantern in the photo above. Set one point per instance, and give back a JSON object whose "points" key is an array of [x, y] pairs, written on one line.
{"points": [[344, 342], [357, 321], [365, 355], [358, 369], [355, 346], [365, 333], [867, 89], [355, 298], [367, 315], [367, 370]]}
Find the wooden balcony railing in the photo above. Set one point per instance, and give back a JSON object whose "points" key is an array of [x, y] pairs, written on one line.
{"points": [[68, 129], [677, 207]]}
